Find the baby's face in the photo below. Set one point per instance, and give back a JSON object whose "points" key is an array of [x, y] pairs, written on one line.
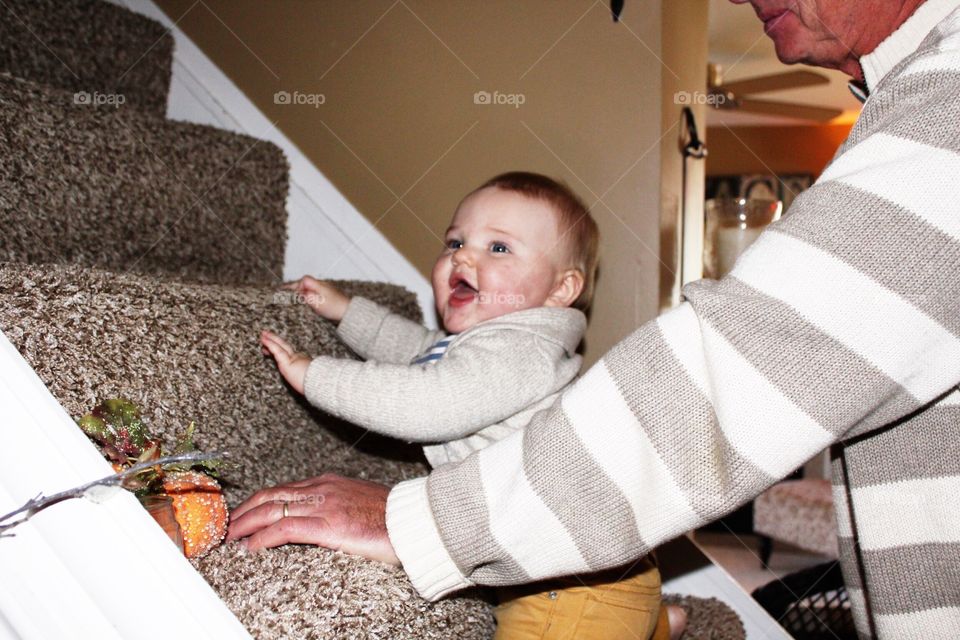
{"points": [[503, 254]]}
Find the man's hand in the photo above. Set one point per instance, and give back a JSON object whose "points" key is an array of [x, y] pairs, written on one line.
{"points": [[329, 511], [292, 365], [324, 298]]}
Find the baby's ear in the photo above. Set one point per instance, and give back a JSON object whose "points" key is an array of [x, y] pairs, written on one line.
{"points": [[567, 289]]}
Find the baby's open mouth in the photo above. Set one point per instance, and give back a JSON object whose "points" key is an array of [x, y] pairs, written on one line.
{"points": [[462, 292]]}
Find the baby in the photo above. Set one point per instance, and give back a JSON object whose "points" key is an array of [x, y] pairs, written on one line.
{"points": [[511, 285]]}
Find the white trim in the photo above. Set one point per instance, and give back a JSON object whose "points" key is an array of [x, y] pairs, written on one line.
{"points": [[906, 39], [80, 569], [327, 236], [417, 541]]}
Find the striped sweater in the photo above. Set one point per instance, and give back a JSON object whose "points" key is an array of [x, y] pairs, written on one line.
{"points": [[839, 326]]}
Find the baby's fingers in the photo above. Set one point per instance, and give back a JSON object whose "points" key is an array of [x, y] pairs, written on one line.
{"points": [[278, 354], [280, 342], [276, 346]]}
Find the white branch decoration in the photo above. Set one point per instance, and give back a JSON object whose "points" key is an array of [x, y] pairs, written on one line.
{"points": [[35, 505]]}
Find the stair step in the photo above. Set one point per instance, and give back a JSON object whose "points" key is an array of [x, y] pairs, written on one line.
{"points": [[113, 187], [88, 46], [187, 352]]}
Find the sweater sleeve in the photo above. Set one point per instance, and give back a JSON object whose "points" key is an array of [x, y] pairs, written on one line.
{"points": [[842, 318], [374, 332], [450, 399]]}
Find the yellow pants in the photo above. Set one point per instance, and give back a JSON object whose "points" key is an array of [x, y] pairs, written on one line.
{"points": [[611, 605]]}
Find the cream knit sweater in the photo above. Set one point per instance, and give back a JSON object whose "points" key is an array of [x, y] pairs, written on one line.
{"points": [[490, 382], [839, 326]]}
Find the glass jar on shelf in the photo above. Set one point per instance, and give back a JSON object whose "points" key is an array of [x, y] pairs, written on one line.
{"points": [[731, 225]]}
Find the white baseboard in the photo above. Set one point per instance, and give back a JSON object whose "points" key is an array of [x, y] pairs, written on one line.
{"points": [[327, 236], [81, 569]]}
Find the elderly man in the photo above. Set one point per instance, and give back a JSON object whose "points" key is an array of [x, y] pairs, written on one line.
{"points": [[841, 326]]}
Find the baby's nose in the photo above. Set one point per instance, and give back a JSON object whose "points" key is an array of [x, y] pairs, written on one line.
{"points": [[462, 256]]}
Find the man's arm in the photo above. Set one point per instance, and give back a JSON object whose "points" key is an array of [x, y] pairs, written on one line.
{"points": [[841, 318]]}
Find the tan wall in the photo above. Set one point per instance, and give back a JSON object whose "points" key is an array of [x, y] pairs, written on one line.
{"points": [[400, 121], [800, 149]]}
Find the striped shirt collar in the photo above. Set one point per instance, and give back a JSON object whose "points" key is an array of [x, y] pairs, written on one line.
{"points": [[435, 352], [905, 40]]}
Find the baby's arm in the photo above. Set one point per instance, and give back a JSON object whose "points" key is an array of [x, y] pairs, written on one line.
{"points": [[376, 333], [324, 298], [369, 329], [473, 386]]}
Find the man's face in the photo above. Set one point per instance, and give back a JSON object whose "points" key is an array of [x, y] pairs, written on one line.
{"points": [[824, 33]]}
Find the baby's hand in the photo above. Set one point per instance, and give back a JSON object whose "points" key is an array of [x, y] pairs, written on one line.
{"points": [[324, 298], [292, 365]]}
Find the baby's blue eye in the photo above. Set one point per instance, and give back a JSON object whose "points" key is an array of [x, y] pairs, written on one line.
{"points": [[499, 247], [454, 244]]}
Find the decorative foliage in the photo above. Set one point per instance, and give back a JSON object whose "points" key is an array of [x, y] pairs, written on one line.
{"points": [[98, 489], [142, 465], [117, 427]]}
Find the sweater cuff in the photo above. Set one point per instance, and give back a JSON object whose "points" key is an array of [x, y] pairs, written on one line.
{"points": [[417, 542], [360, 323]]}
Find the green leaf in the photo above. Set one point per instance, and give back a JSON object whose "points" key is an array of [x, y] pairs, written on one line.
{"points": [[185, 442], [122, 420]]}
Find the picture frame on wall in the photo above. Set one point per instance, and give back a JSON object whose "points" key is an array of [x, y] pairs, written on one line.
{"points": [[792, 186], [759, 186]]}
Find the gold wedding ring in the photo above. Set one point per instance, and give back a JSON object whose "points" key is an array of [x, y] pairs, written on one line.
{"points": [[286, 509]]}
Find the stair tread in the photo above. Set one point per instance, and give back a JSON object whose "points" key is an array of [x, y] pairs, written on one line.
{"points": [[88, 46], [114, 187]]}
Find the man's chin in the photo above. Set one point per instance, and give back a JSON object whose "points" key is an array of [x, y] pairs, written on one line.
{"points": [[788, 51]]}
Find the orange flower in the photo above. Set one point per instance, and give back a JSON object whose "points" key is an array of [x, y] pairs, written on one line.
{"points": [[200, 509]]}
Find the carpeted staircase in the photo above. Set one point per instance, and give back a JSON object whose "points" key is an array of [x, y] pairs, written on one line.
{"points": [[139, 257], [130, 191]]}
